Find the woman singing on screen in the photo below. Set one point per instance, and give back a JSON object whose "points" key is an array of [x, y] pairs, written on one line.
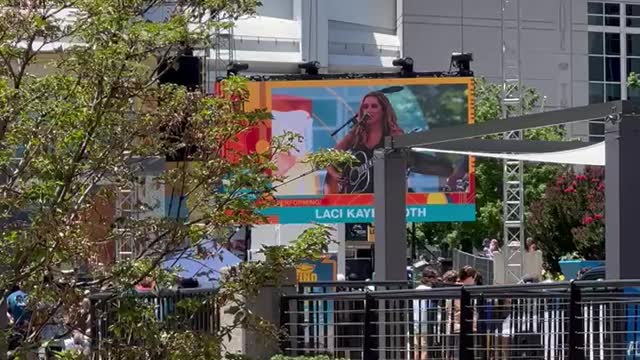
{"points": [[375, 120]]}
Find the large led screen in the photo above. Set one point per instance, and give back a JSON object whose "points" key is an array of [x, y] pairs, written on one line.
{"points": [[355, 116]]}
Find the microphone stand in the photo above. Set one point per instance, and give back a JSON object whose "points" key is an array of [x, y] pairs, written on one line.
{"points": [[350, 121]]}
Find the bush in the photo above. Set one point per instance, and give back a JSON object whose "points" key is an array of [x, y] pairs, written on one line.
{"points": [[568, 222]]}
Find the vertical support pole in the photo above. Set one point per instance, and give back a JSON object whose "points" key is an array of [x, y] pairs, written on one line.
{"points": [[390, 189], [285, 341], [342, 249], [4, 326], [576, 339], [466, 326], [414, 246], [368, 328], [622, 176]]}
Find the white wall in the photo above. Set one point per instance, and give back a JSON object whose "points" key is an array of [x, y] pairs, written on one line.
{"points": [[272, 235], [345, 35], [374, 13], [282, 9]]}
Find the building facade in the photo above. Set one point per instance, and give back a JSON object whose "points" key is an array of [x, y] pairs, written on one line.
{"points": [[574, 52]]}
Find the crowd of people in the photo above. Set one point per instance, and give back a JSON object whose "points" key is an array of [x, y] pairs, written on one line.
{"points": [[492, 247], [68, 331]]}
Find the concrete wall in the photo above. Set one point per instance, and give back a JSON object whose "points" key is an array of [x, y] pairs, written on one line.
{"points": [[267, 306]]}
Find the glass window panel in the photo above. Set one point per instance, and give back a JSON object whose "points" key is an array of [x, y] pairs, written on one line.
{"points": [[596, 128], [595, 20], [633, 10], [633, 44], [595, 42], [612, 92], [612, 43], [633, 22], [596, 93], [612, 69], [633, 65], [612, 9], [596, 68], [595, 8], [611, 21]]}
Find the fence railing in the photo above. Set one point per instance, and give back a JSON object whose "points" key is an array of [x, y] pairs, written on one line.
{"points": [[206, 318], [346, 286], [576, 321], [483, 265]]}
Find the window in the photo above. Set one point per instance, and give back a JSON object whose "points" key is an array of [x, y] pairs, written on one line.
{"points": [[609, 60], [607, 14], [604, 66], [633, 15]]}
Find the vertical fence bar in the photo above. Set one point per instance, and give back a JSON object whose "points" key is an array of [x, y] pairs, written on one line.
{"points": [[466, 326], [576, 340], [368, 328], [284, 320]]}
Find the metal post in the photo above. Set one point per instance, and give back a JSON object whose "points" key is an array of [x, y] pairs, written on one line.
{"points": [[368, 329], [414, 249], [4, 327], [622, 175], [285, 341], [466, 326], [390, 181], [576, 338]]}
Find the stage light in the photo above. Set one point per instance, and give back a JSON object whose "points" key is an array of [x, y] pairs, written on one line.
{"points": [[234, 68], [310, 67], [405, 63], [462, 62]]}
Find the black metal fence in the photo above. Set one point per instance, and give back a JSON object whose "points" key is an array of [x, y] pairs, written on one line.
{"points": [[347, 286], [578, 320], [203, 317]]}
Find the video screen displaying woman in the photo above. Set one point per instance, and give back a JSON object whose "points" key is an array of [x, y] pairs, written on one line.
{"points": [[357, 119]]}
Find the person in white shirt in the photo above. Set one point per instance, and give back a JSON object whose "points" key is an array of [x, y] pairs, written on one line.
{"points": [[421, 314]]}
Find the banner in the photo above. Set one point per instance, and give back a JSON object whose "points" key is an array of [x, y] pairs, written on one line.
{"points": [[356, 116]]}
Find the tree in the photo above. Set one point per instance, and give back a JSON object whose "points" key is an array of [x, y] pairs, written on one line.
{"points": [[489, 176], [73, 134], [569, 218]]}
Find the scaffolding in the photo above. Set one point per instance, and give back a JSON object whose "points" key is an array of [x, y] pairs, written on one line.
{"points": [[224, 50], [512, 105], [127, 211]]}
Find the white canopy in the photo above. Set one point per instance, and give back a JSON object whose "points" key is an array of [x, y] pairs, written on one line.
{"points": [[588, 155]]}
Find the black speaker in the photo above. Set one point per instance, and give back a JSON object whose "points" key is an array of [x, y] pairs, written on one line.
{"points": [[184, 71]]}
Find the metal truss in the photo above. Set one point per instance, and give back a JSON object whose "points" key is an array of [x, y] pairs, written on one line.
{"points": [[127, 210], [224, 50], [512, 105]]}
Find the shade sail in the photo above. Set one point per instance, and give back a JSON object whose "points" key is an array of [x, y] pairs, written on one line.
{"points": [[587, 155]]}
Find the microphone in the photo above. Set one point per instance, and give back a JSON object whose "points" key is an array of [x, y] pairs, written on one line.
{"points": [[353, 120], [365, 118]]}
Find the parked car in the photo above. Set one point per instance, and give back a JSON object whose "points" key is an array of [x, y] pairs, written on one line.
{"points": [[594, 273]]}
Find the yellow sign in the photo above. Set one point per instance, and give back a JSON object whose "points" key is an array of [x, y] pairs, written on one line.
{"points": [[304, 273]]}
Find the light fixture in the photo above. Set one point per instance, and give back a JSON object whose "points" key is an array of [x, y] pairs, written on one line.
{"points": [[310, 67], [405, 64], [462, 62], [234, 68]]}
